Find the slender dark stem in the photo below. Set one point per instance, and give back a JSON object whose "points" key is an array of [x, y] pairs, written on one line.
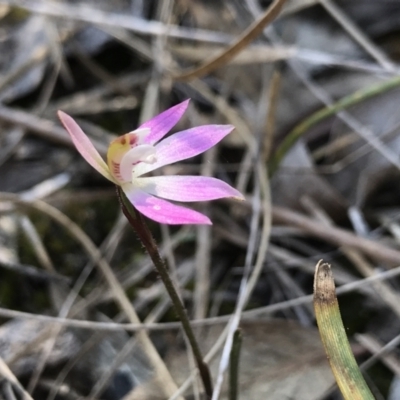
{"points": [[234, 365], [139, 225]]}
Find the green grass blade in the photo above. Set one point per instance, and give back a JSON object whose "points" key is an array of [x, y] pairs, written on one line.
{"points": [[342, 104], [343, 364]]}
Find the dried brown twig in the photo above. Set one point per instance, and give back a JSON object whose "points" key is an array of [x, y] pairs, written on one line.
{"points": [[240, 43]]}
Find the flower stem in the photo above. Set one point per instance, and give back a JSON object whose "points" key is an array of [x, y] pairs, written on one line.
{"points": [[234, 365], [138, 223]]}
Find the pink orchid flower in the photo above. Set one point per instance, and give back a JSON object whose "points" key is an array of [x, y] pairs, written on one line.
{"points": [[136, 153]]}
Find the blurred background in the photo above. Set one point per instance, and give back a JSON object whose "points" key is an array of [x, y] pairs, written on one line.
{"points": [[314, 96]]}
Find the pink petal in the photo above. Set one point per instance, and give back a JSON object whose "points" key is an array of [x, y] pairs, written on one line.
{"points": [[84, 145], [164, 122], [183, 145], [187, 188], [162, 211]]}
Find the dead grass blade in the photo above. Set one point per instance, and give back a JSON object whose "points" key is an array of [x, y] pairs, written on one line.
{"points": [[240, 43], [358, 35], [41, 127], [115, 286], [338, 236], [95, 16], [7, 374]]}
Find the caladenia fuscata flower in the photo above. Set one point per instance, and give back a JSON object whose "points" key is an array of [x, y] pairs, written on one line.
{"points": [[131, 156]]}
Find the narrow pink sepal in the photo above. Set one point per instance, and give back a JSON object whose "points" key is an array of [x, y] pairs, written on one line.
{"points": [[183, 145], [84, 145], [187, 188], [162, 211], [161, 124]]}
